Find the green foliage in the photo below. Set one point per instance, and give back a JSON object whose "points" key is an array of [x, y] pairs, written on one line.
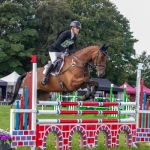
{"points": [[18, 35], [145, 73], [102, 22], [29, 27], [55, 17]]}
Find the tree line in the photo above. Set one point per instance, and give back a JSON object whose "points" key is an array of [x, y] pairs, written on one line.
{"points": [[30, 26]]}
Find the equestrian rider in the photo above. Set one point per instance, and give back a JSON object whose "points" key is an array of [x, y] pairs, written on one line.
{"points": [[62, 45]]}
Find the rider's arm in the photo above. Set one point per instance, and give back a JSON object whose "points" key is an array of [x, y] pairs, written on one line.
{"points": [[70, 48]]}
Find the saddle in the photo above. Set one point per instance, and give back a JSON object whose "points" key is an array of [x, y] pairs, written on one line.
{"points": [[57, 67]]}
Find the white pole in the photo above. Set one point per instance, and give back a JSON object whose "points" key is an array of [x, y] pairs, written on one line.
{"points": [[11, 121], [34, 94], [140, 67]]}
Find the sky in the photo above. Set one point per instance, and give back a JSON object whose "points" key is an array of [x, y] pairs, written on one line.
{"points": [[138, 14]]}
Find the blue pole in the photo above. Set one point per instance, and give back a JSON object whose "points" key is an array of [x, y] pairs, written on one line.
{"points": [[26, 107], [149, 121], [144, 108], [17, 116], [148, 116]]}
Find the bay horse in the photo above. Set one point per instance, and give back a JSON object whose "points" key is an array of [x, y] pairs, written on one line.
{"points": [[73, 75]]}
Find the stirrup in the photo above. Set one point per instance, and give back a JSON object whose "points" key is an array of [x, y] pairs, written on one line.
{"points": [[44, 81]]}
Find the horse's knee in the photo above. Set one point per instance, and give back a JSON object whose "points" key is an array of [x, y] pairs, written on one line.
{"points": [[87, 80]]}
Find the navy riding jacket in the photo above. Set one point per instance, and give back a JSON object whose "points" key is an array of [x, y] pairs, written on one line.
{"points": [[63, 42]]}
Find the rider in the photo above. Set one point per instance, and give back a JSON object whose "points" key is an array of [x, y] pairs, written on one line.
{"points": [[62, 45]]}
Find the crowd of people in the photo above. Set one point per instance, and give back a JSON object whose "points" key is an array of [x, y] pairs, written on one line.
{"points": [[9, 96]]}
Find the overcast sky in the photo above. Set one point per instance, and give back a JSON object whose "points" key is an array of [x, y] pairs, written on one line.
{"points": [[138, 14]]}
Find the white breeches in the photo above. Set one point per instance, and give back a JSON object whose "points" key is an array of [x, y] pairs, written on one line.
{"points": [[54, 55]]}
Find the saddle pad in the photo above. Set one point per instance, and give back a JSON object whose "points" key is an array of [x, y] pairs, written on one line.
{"points": [[57, 69]]}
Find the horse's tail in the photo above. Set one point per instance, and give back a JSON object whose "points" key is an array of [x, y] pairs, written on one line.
{"points": [[17, 87]]}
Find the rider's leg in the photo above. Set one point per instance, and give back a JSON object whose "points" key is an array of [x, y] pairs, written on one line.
{"points": [[48, 70], [53, 57]]}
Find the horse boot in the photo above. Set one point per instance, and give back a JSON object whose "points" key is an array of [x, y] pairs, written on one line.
{"points": [[48, 70]]}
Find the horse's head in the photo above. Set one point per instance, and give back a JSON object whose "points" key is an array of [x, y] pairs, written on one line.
{"points": [[100, 59]]}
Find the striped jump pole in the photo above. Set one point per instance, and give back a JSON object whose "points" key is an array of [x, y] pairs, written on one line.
{"points": [[79, 112], [126, 120], [80, 103]]}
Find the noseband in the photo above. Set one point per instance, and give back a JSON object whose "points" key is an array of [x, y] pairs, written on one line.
{"points": [[96, 57]]}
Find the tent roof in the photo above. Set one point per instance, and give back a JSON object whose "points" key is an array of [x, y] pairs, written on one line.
{"points": [[129, 89], [146, 89], [105, 85], [3, 83], [11, 78]]}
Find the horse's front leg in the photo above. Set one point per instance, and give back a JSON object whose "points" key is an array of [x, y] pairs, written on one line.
{"points": [[94, 86], [90, 94]]}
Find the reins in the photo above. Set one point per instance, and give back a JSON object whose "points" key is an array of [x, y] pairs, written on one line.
{"points": [[73, 64], [84, 65]]}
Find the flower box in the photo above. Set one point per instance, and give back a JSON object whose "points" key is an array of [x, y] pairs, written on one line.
{"points": [[5, 140]]}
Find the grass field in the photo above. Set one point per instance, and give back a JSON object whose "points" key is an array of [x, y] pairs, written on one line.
{"points": [[5, 124]]}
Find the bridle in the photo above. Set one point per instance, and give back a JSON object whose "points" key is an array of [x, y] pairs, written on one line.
{"points": [[84, 63], [97, 56]]}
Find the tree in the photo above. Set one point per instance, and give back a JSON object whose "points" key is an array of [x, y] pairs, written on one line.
{"points": [[31, 26], [102, 22], [145, 73], [55, 17], [18, 35]]}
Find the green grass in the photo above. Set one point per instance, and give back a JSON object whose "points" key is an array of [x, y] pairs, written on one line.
{"points": [[5, 124]]}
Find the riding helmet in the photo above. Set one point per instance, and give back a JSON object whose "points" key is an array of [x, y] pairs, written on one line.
{"points": [[75, 24]]}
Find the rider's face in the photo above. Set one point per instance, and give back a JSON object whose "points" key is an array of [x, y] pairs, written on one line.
{"points": [[75, 30]]}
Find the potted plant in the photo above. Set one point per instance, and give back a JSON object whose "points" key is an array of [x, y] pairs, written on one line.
{"points": [[5, 140]]}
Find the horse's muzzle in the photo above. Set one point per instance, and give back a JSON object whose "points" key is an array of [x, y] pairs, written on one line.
{"points": [[100, 73]]}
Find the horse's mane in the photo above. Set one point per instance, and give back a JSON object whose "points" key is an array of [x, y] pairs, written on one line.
{"points": [[80, 50]]}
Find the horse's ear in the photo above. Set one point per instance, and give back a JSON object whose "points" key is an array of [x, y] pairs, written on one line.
{"points": [[104, 47]]}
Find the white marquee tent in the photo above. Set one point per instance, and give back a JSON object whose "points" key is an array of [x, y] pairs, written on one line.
{"points": [[11, 80]]}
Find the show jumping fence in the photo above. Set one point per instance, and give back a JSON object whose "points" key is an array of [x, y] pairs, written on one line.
{"points": [[35, 135]]}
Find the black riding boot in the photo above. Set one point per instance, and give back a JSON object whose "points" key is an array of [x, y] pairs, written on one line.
{"points": [[48, 70]]}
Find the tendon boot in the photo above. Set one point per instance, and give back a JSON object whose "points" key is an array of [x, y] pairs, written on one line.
{"points": [[48, 70]]}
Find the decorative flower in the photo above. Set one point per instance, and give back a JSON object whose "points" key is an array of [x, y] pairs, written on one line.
{"points": [[5, 137]]}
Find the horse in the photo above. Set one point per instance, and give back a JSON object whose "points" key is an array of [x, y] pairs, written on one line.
{"points": [[73, 75]]}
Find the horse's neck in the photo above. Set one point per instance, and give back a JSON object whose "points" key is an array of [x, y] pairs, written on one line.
{"points": [[86, 54]]}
